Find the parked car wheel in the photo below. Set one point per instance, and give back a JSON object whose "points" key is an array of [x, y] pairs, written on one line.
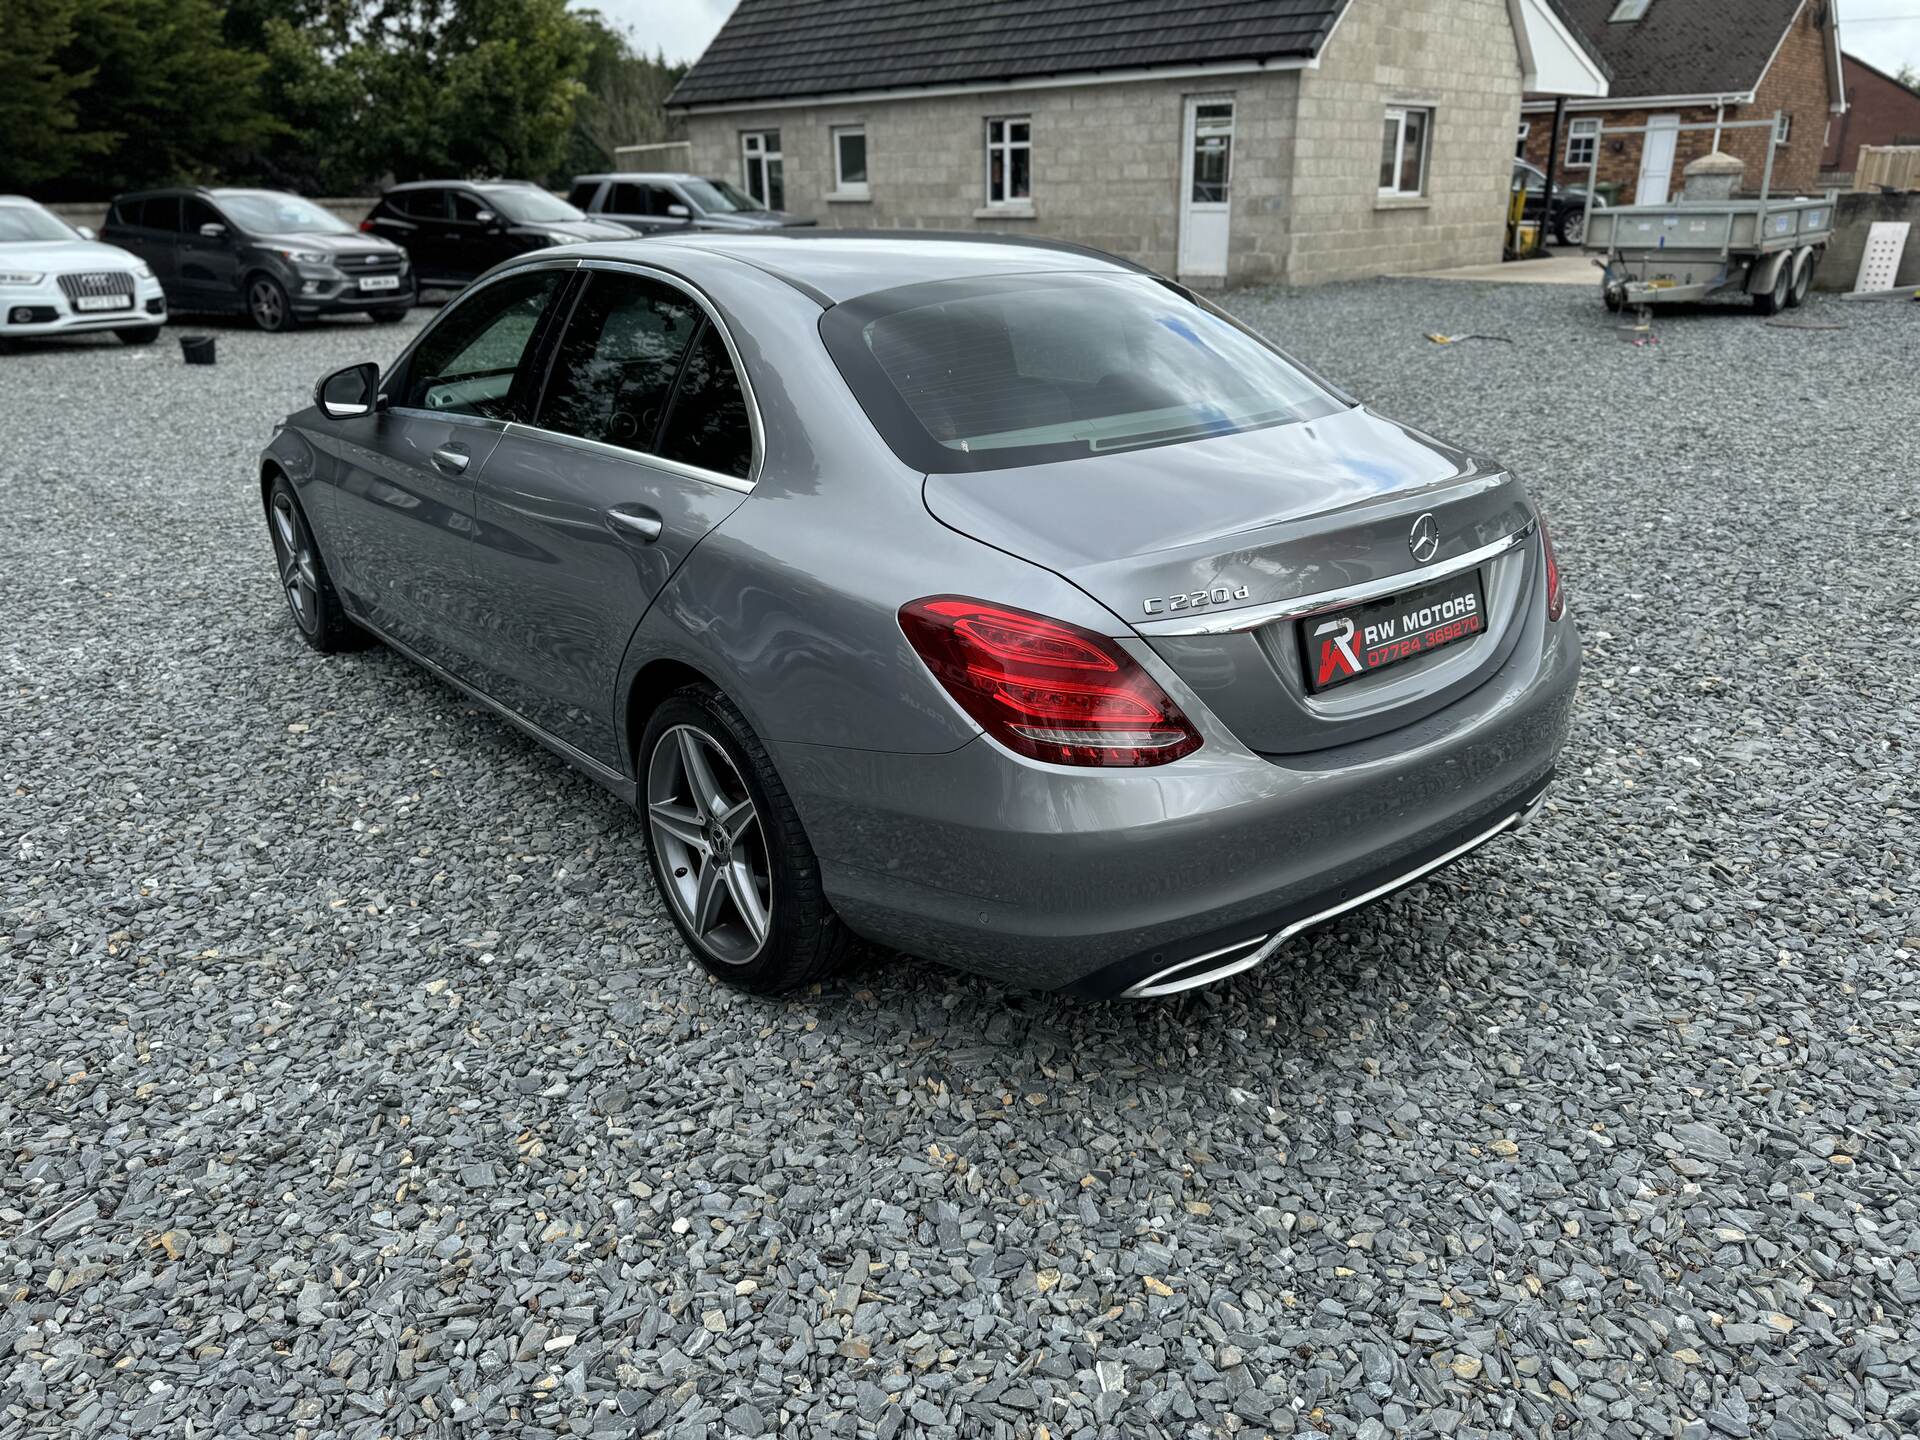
{"points": [[1572, 229], [727, 850], [1780, 296], [388, 316], [267, 303], [311, 598]]}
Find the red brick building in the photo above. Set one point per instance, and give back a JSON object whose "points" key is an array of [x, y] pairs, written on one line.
{"points": [[1687, 62], [1880, 111]]}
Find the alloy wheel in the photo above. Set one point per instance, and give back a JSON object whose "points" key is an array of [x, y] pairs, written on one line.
{"points": [[269, 309], [1573, 230], [711, 849], [299, 576]]}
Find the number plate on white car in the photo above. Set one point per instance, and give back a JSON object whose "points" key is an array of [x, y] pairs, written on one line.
{"points": [[103, 302], [379, 282]]}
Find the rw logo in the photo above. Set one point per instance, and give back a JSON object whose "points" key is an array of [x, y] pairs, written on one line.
{"points": [[1337, 660]]}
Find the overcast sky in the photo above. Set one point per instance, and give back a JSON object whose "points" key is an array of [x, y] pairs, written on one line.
{"points": [[1885, 33]]}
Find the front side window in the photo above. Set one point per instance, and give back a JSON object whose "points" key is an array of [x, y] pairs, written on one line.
{"points": [[469, 362], [850, 159], [529, 205], [717, 197], [194, 213], [763, 169], [615, 367], [162, 212], [1403, 150], [993, 373], [1582, 137], [1010, 160]]}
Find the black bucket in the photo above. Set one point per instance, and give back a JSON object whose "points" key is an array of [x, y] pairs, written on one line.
{"points": [[197, 349]]}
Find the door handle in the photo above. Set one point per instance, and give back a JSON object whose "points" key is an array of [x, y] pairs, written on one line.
{"points": [[638, 521], [448, 458]]}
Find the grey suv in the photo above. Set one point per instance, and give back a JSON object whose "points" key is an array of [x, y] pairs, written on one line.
{"points": [[657, 203], [262, 253]]}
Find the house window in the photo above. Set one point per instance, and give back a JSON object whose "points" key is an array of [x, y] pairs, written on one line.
{"points": [[1628, 10], [761, 168], [1010, 160], [1403, 150], [1520, 141], [1782, 127], [850, 160], [1582, 137]]}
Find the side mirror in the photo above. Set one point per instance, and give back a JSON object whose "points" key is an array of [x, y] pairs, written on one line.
{"points": [[213, 230], [679, 212], [486, 217], [349, 392], [87, 232]]}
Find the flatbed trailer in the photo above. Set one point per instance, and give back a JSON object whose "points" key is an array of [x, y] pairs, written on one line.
{"points": [[1766, 248]]}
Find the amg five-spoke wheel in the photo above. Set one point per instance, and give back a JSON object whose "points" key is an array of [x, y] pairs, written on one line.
{"points": [[299, 576], [727, 849], [708, 833]]}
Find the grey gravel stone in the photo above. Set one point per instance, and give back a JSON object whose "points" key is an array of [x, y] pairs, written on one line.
{"points": [[367, 1003]]}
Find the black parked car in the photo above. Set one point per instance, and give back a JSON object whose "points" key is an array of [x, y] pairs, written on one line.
{"points": [[457, 230], [1566, 213], [652, 203], [262, 253]]}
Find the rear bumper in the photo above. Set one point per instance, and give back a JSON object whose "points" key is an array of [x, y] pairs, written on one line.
{"points": [[1099, 881]]}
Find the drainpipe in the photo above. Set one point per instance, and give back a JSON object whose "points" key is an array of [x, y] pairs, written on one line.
{"points": [[1553, 162], [1719, 116]]}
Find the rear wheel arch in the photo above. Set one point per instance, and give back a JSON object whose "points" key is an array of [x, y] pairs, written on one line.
{"points": [[649, 689]]}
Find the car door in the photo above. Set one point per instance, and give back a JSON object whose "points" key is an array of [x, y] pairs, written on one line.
{"points": [[644, 441], [206, 264], [478, 235], [424, 213], [149, 228], [401, 502], [628, 204]]}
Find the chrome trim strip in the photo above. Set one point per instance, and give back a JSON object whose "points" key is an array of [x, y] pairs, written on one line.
{"points": [[1230, 622], [637, 457], [1148, 987]]}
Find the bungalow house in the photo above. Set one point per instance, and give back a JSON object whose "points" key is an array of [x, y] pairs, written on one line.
{"points": [[1688, 62], [1226, 141], [1880, 111]]}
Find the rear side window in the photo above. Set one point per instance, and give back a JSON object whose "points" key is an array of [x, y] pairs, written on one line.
{"points": [[127, 212], [617, 362], [993, 373], [628, 199], [707, 425], [468, 363], [581, 196], [160, 212], [422, 204]]}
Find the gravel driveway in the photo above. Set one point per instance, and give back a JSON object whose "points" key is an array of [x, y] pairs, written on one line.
{"points": [[353, 1082]]}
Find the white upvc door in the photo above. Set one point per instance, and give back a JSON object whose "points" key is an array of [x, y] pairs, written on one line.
{"points": [[1656, 159], [1206, 186]]}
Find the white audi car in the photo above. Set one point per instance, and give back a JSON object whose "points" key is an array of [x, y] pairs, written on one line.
{"points": [[58, 280]]}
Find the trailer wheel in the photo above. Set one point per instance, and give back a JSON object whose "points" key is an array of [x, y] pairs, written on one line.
{"points": [[1614, 297], [1802, 281], [1773, 301]]}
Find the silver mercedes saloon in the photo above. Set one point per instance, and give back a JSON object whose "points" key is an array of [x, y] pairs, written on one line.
{"points": [[994, 601]]}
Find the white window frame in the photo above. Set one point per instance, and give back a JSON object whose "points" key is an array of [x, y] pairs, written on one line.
{"points": [[1585, 133], [1400, 113], [753, 146], [1005, 146], [1520, 141], [843, 188], [1783, 127]]}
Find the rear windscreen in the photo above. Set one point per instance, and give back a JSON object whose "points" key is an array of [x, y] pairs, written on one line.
{"points": [[988, 374]]}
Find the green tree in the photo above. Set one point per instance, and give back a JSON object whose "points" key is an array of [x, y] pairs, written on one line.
{"points": [[41, 137], [625, 100], [178, 102], [1909, 76]]}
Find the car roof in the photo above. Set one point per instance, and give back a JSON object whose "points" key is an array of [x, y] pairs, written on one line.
{"points": [[834, 266], [650, 176], [471, 184]]}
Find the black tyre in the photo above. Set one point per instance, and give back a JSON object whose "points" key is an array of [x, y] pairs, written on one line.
{"points": [[267, 304], [389, 315], [727, 850], [1780, 296], [1572, 228], [1802, 283], [138, 334], [311, 598]]}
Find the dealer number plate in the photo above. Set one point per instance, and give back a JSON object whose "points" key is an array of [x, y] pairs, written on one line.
{"points": [[1343, 645], [104, 302], [379, 282]]}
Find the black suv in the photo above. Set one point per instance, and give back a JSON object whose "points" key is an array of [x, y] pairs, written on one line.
{"points": [[457, 230], [262, 253]]}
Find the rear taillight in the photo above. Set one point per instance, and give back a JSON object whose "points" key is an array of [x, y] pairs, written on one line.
{"points": [[1556, 597], [1046, 689], [366, 227]]}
